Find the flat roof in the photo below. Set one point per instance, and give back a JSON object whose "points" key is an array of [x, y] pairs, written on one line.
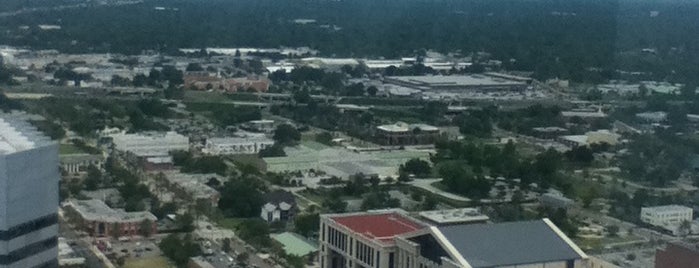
{"points": [[510, 243], [459, 215], [381, 226], [96, 210], [666, 208], [295, 244], [17, 135], [455, 80]]}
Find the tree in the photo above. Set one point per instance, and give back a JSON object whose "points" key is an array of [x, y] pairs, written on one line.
{"points": [[324, 138], [93, 179], [254, 231], [286, 134], [185, 222], [379, 200], [307, 224], [226, 244], [372, 90], [179, 250], [417, 167], [194, 67], [146, 228], [612, 230], [115, 230], [335, 204], [240, 198], [685, 228]]}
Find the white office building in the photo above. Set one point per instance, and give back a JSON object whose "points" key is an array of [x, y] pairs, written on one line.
{"points": [[150, 144], [248, 143], [29, 175], [668, 217]]}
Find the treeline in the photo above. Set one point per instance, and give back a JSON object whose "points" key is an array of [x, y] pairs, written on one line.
{"points": [[552, 38]]}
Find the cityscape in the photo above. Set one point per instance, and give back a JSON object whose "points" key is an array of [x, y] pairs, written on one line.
{"points": [[349, 134]]}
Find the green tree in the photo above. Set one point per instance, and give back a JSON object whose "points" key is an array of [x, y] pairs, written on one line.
{"points": [[146, 228], [185, 222], [240, 198], [335, 204], [286, 134], [93, 179], [417, 167], [307, 224]]}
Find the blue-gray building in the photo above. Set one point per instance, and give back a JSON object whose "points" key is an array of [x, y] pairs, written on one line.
{"points": [[29, 176]]}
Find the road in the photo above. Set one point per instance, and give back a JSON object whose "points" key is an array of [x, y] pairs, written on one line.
{"points": [[83, 246]]}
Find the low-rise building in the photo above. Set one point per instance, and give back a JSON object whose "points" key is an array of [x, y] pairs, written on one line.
{"points": [[205, 81], [278, 206], [248, 143], [406, 134], [67, 257], [454, 216], [459, 83], [393, 239], [591, 137], [677, 254], [150, 144], [263, 125], [77, 164], [669, 217], [194, 187], [556, 200], [652, 117], [99, 220]]}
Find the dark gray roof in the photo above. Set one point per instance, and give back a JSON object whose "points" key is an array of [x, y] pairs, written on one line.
{"points": [[524, 242]]}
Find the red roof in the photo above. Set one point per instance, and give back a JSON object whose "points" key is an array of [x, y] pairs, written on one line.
{"points": [[382, 227]]}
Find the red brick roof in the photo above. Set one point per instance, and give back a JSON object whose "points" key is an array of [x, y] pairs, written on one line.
{"points": [[383, 227]]}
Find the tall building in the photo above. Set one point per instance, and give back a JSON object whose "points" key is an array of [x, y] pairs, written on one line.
{"points": [[29, 176], [392, 239]]}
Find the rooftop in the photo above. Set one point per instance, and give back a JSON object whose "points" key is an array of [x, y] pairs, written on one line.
{"points": [[455, 80], [379, 226], [403, 127], [459, 215], [295, 244], [666, 208], [18, 135], [96, 210], [511, 243]]}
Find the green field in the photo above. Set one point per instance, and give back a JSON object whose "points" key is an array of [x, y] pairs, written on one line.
{"points": [[70, 149], [150, 262]]}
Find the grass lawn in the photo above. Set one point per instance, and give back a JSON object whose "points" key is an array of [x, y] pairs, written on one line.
{"points": [[150, 262], [230, 223], [69, 149]]}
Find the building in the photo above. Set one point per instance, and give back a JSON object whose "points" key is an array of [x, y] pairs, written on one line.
{"points": [[406, 134], [29, 176], [149, 144], [77, 164], [248, 143], [457, 83], [99, 220], [652, 117], [278, 206], [194, 187], [668, 217], [556, 200], [548, 132], [263, 125], [584, 113], [392, 239], [206, 81], [454, 216], [677, 254], [591, 137]]}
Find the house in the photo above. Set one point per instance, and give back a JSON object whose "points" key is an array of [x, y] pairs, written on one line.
{"points": [[278, 206]]}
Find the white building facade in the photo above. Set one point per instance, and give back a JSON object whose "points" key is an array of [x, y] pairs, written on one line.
{"points": [[667, 217], [29, 175], [151, 143], [251, 144]]}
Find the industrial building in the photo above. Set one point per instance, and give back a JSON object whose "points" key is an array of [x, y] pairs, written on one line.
{"points": [[459, 83], [391, 238], [29, 176]]}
